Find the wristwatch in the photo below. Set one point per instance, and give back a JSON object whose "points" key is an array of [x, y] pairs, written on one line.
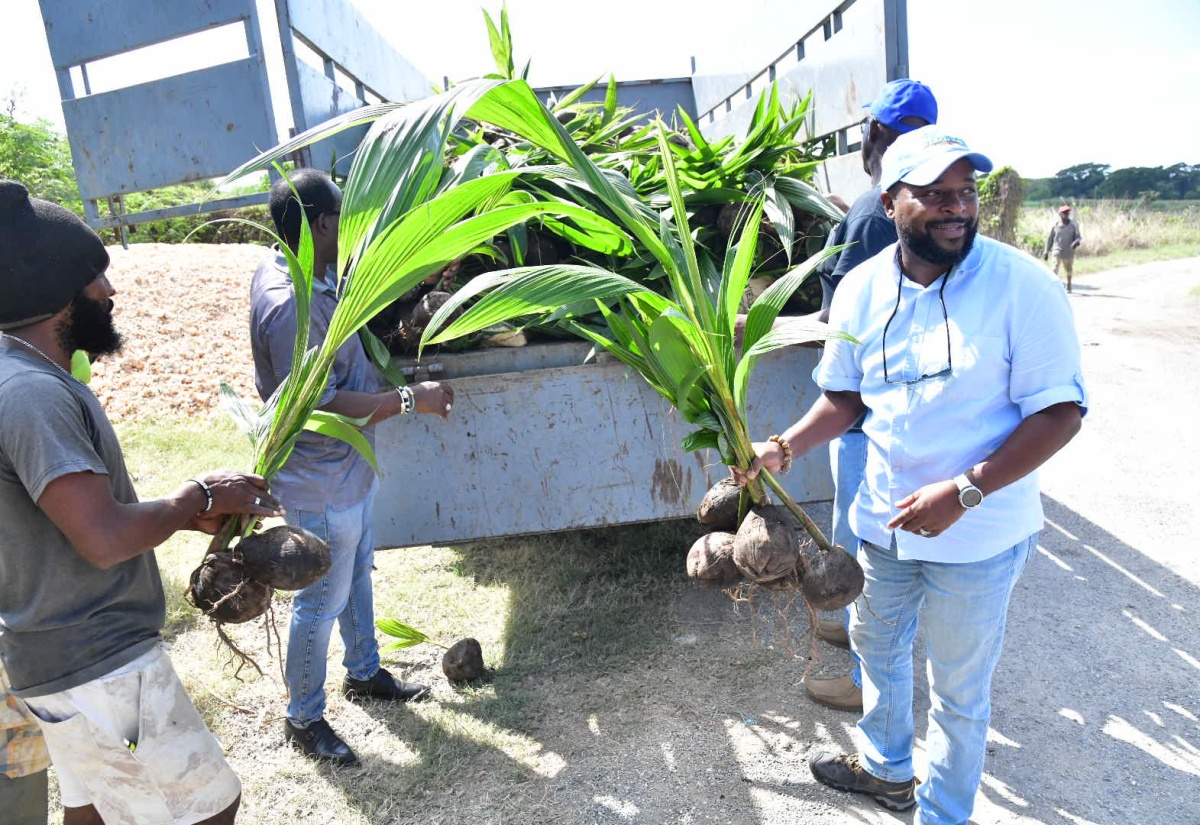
{"points": [[969, 496]]}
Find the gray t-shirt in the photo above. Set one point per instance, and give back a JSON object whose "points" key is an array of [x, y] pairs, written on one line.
{"points": [[63, 621], [322, 472]]}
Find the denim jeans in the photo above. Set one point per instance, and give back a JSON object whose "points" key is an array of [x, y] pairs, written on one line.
{"points": [[342, 595], [965, 608], [848, 461]]}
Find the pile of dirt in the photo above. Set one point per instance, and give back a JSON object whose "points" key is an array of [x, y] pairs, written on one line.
{"points": [[184, 311]]}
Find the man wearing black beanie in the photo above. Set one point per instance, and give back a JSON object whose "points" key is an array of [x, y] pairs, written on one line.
{"points": [[81, 600]]}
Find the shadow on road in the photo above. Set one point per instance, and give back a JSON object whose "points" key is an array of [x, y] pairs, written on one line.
{"points": [[1096, 709]]}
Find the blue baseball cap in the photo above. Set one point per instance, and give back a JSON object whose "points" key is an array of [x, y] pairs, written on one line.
{"points": [[900, 99], [922, 155]]}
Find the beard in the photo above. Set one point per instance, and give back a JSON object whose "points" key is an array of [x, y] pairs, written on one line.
{"points": [[89, 327], [926, 248]]}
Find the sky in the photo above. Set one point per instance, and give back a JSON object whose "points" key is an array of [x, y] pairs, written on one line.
{"points": [[1036, 85]]}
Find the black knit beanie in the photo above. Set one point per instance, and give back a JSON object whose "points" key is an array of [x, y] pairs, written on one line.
{"points": [[47, 255]]}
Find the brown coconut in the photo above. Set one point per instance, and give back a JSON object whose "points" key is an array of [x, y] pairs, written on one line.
{"points": [[221, 588], [285, 557], [718, 509], [463, 662], [766, 548], [710, 561], [430, 303], [829, 580]]}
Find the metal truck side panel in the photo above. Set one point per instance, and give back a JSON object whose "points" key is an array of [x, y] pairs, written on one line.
{"points": [[563, 448], [207, 122], [80, 32]]}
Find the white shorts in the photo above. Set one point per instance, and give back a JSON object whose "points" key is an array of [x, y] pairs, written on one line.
{"points": [[132, 743]]}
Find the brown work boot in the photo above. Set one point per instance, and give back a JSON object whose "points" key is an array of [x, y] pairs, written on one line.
{"points": [[840, 693], [834, 632], [844, 772]]}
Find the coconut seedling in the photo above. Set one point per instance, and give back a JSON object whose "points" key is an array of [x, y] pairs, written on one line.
{"points": [[681, 340], [404, 217], [462, 661]]}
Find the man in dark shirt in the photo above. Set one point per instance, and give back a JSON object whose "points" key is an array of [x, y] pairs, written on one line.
{"points": [[901, 106]]}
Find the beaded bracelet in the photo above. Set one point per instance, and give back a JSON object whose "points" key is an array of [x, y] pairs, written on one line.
{"points": [[408, 401], [204, 488], [786, 464]]}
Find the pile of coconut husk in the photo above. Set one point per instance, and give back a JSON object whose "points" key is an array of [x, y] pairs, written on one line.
{"points": [[763, 545]]}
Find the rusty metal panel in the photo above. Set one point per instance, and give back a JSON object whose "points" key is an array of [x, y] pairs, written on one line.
{"points": [[188, 127], [337, 29], [563, 448], [80, 32]]}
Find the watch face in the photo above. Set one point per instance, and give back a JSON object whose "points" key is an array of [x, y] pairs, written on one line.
{"points": [[970, 497]]}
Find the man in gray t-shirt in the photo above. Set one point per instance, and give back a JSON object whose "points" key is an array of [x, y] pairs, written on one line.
{"points": [[81, 601]]}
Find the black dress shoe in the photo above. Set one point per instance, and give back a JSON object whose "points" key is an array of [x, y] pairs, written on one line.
{"points": [[384, 685], [318, 741]]}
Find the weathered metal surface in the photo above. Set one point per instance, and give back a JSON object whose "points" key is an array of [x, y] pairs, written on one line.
{"points": [[188, 127], [80, 32], [338, 30], [323, 99], [646, 97], [842, 50], [564, 447]]}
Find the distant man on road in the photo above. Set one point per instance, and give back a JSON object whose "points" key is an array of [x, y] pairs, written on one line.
{"points": [[81, 600], [326, 485], [900, 107], [1063, 240], [969, 375]]}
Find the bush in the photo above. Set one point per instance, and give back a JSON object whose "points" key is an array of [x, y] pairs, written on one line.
{"points": [[1000, 197]]}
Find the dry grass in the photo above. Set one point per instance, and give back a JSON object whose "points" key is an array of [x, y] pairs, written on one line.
{"points": [[586, 653], [1119, 233]]}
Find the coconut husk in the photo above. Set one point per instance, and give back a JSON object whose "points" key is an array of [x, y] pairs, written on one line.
{"points": [[829, 580], [463, 662], [710, 561], [222, 589], [430, 303], [766, 548], [718, 509], [284, 557]]}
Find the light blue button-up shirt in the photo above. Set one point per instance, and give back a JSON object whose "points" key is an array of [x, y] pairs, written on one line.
{"points": [[1013, 351]]}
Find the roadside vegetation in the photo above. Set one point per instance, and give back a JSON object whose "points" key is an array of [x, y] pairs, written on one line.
{"points": [[1118, 233]]}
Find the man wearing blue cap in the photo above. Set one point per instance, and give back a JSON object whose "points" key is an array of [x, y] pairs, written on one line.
{"points": [[969, 376], [900, 107]]}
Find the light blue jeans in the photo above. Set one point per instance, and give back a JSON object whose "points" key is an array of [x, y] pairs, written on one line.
{"points": [[342, 595], [965, 608], [848, 461]]}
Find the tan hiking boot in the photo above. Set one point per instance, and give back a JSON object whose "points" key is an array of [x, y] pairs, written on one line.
{"points": [[834, 632], [840, 693]]}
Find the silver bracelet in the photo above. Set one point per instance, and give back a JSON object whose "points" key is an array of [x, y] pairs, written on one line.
{"points": [[408, 401], [204, 488]]}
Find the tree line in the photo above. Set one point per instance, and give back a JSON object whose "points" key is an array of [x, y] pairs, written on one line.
{"points": [[1098, 180]]}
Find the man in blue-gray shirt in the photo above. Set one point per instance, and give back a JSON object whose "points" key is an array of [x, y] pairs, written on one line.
{"points": [[327, 487], [900, 107]]}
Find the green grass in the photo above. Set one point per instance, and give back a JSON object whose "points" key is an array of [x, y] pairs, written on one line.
{"points": [[574, 626], [160, 455], [1132, 257]]}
